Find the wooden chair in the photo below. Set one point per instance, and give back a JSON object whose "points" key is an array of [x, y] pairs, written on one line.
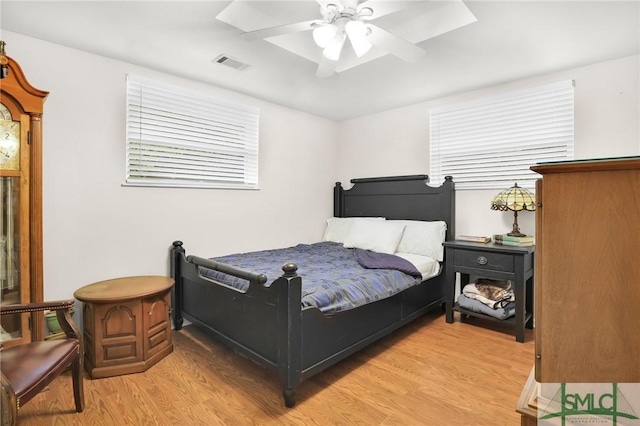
{"points": [[27, 369]]}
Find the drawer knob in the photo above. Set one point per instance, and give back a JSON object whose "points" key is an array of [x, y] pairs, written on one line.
{"points": [[481, 260]]}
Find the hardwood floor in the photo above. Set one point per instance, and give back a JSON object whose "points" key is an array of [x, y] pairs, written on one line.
{"points": [[427, 373]]}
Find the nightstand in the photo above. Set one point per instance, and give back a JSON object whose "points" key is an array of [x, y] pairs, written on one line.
{"points": [[494, 262], [126, 321]]}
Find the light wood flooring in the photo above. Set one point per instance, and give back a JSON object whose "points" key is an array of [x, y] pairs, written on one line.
{"points": [[428, 373]]}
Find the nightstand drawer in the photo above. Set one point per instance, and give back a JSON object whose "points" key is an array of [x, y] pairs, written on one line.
{"points": [[483, 260]]}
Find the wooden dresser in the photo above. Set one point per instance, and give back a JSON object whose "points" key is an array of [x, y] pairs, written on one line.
{"points": [[587, 283]]}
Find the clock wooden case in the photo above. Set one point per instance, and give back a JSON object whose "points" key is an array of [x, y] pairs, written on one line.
{"points": [[21, 271]]}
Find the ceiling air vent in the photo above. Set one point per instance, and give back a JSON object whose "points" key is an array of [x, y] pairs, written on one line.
{"points": [[231, 62]]}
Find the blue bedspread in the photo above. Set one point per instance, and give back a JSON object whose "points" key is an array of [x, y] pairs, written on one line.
{"points": [[332, 278]]}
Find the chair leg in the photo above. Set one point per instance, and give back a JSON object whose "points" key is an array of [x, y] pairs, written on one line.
{"points": [[78, 389], [8, 404]]}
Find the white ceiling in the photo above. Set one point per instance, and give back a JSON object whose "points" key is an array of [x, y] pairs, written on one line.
{"points": [[510, 40]]}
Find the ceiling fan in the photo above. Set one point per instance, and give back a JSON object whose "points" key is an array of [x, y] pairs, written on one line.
{"points": [[342, 21]]}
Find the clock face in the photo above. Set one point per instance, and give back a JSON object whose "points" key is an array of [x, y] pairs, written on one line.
{"points": [[5, 114], [9, 145]]}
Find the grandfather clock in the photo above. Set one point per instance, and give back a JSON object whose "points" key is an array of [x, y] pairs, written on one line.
{"points": [[21, 107]]}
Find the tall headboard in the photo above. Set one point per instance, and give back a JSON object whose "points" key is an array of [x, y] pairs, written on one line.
{"points": [[398, 197]]}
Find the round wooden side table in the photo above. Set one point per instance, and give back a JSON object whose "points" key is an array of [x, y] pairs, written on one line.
{"points": [[126, 322]]}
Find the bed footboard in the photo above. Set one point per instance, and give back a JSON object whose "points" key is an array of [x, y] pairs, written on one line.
{"points": [[264, 323]]}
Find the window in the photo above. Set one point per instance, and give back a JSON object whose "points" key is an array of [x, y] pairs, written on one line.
{"points": [[182, 138], [491, 143]]}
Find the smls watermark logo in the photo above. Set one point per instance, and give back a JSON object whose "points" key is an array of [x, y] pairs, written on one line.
{"points": [[612, 404]]}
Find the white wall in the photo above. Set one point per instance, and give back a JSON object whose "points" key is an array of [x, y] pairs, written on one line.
{"points": [[396, 142], [96, 229]]}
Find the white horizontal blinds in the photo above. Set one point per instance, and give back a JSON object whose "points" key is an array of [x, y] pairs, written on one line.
{"points": [[492, 142], [182, 138]]}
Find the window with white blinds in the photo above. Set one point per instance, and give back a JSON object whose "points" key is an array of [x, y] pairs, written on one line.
{"points": [[182, 138], [491, 143]]}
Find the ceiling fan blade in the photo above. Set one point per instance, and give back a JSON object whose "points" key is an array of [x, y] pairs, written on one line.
{"points": [[326, 68], [279, 30], [395, 45]]}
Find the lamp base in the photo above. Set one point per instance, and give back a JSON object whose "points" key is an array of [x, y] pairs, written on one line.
{"points": [[516, 234]]}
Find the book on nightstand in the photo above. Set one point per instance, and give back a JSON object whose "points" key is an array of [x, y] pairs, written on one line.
{"points": [[508, 240], [473, 238]]}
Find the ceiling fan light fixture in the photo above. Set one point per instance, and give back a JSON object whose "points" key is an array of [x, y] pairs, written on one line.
{"points": [[333, 8], [358, 32], [332, 51], [365, 12], [324, 35]]}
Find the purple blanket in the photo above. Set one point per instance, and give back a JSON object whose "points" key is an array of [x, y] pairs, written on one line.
{"points": [[373, 260]]}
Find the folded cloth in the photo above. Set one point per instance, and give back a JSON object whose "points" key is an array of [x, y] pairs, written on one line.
{"points": [[476, 306], [491, 289], [492, 293], [493, 304]]}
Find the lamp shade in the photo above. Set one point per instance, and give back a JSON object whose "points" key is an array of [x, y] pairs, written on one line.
{"points": [[325, 34], [332, 51], [331, 37], [514, 198], [357, 32]]}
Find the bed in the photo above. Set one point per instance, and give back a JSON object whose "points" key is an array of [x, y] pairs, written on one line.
{"points": [[266, 321]]}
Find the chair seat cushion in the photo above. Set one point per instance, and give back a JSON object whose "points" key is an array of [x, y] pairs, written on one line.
{"points": [[31, 367]]}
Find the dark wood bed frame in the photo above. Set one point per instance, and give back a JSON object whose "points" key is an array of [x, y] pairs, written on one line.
{"points": [[267, 323]]}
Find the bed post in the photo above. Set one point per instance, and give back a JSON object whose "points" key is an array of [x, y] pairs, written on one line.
{"points": [[177, 256], [290, 332], [449, 204], [338, 211]]}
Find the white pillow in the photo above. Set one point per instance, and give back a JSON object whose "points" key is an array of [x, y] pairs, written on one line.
{"points": [[378, 236], [423, 238], [338, 227]]}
